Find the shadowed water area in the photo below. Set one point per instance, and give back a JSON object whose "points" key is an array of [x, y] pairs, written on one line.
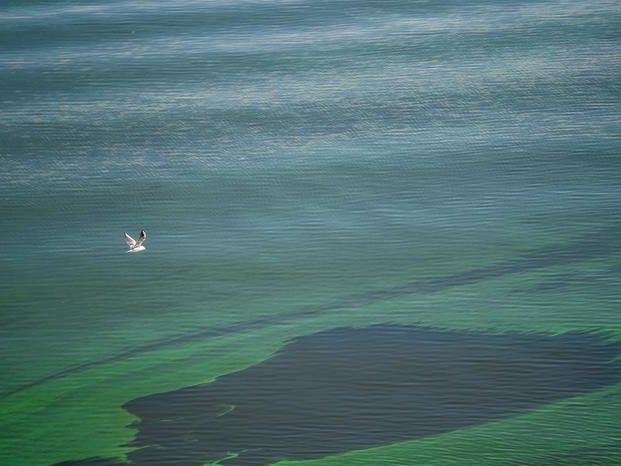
{"points": [[348, 389]]}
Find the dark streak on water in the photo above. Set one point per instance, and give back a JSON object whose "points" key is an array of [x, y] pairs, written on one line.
{"points": [[588, 248], [347, 389]]}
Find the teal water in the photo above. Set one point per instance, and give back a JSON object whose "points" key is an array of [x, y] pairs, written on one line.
{"points": [[297, 165]]}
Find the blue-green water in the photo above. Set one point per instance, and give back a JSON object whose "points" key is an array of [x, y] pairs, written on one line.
{"points": [[298, 165]]}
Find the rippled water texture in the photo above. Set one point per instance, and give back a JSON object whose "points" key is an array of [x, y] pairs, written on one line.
{"points": [[303, 166]]}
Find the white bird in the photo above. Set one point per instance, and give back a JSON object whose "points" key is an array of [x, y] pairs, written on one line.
{"points": [[136, 246]]}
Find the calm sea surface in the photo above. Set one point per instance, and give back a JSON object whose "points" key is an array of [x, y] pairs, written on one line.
{"points": [[299, 166]]}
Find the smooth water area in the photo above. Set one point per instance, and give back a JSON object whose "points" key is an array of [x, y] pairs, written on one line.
{"points": [[348, 389], [300, 166]]}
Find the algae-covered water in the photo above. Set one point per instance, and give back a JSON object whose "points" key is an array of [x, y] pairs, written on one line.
{"points": [[308, 168]]}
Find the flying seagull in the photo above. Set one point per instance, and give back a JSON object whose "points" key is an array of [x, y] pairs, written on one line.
{"points": [[136, 246]]}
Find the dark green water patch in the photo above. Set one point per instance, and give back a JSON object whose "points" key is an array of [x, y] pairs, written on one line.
{"points": [[348, 389]]}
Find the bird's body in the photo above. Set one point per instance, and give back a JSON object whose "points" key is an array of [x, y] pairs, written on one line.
{"points": [[137, 249], [136, 246]]}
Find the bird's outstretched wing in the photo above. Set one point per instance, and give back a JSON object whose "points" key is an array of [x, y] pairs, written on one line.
{"points": [[131, 242], [141, 238]]}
